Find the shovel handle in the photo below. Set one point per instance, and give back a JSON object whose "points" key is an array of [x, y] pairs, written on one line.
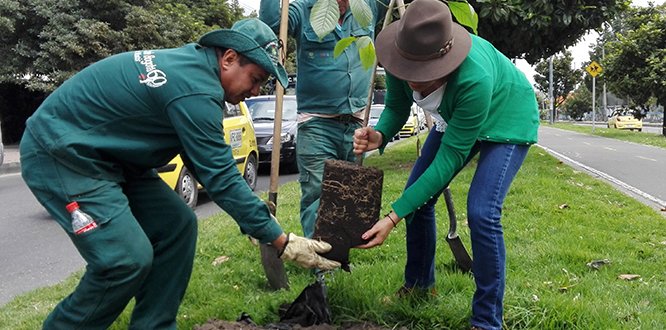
{"points": [[452, 213], [368, 102]]}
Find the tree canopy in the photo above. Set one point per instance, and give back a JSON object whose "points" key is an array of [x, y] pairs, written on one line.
{"points": [[44, 42], [537, 29], [635, 62], [565, 78]]}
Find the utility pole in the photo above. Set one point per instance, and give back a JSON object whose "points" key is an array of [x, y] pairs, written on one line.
{"points": [[603, 55], [550, 89]]}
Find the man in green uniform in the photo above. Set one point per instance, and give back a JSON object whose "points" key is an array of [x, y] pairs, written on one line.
{"points": [[331, 92], [96, 141]]}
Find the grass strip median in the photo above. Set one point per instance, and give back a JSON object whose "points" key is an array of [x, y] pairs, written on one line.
{"points": [[571, 240]]}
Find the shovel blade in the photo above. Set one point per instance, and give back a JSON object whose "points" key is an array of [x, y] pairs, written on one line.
{"points": [[273, 268], [350, 204], [462, 258]]}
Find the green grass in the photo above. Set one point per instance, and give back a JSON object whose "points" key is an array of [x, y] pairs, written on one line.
{"points": [[556, 220], [656, 140]]}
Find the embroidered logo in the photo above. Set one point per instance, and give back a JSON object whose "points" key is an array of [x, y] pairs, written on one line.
{"points": [[271, 49], [153, 77]]}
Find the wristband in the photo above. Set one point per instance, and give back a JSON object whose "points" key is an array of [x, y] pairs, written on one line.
{"points": [[280, 252], [388, 215]]}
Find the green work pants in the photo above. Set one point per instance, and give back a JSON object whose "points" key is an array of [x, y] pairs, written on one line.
{"points": [[143, 247], [320, 139]]}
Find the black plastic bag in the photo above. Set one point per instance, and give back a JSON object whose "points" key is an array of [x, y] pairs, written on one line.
{"points": [[310, 307]]}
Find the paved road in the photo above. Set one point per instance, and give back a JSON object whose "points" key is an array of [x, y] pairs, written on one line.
{"points": [[35, 252], [634, 168]]}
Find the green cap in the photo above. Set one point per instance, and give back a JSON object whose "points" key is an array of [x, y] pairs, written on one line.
{"points": [[255, 40]]}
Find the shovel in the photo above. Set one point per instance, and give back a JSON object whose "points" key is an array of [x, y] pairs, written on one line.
{"points": [[272, 264], [460, 255], [462, 258]]}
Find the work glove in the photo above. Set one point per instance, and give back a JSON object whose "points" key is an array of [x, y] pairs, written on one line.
{"points": [[303, 251]]}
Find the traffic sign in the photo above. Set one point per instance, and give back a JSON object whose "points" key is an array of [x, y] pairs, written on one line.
{"points": [[594, 69]]}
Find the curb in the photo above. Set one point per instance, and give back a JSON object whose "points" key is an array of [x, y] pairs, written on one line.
{"points": [[10, 168]]}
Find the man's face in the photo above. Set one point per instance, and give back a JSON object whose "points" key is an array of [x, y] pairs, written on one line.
{"points": [[239, 81]]}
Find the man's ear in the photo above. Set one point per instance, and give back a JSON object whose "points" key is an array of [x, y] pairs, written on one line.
{"points": [[228, 58]]}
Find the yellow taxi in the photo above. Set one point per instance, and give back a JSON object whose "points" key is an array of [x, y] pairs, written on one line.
{"points": [[239, 134], [624, 119], [414, 124]]}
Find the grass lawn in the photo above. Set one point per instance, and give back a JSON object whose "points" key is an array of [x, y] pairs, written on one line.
{"points": [[556, 221], [656, 140]]}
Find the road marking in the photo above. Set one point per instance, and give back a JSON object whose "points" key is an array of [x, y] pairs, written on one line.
{"points": [[609, 148], [607, 177], [641, 157], [588, 143]]}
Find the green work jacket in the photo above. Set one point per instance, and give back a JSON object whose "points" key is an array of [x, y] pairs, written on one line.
{"points": [[133, 112], [486, 99], [325, 84]]}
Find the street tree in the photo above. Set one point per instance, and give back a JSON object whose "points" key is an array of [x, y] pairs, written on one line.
{"points": [[565, 78], [578, 103], [44, 42], [635, 63]]}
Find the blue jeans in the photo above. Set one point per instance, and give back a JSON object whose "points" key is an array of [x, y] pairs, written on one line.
{"points": [[319, 139], [497, 166]]}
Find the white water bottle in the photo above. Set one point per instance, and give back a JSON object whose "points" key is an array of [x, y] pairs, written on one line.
{"points": [[81, 221]]}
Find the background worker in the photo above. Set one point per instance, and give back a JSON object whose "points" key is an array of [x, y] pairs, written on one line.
{"points": [[490, 109], [97, 139], [331, 92]]}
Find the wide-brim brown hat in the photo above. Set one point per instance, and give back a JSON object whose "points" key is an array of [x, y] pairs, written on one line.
{"points": [[425, 44]]}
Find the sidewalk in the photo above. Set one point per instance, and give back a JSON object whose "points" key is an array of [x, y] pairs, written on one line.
{"points": [[12, 163]]}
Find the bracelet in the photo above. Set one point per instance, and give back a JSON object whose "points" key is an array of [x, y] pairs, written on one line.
{"points": [[388, 215], [280, 252]]}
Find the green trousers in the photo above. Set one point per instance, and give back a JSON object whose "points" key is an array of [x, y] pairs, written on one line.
{"points": [[143, 247], [320, 139]]}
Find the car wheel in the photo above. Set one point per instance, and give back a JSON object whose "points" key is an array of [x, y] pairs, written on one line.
{"points": [[186, 188], [640, 129], [250, 172], [291, 167]]}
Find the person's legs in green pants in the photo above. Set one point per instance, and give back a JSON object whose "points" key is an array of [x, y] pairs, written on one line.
{"points": [[127, 255], [172, 227], [319, 139]]}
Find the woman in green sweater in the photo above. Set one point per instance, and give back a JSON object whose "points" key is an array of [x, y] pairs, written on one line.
{"points": [[488, 108]]}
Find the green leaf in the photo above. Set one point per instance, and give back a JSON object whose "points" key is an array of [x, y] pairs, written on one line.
{"points": [[361, 11], [341, 45], [465, 15], [324, 16], [366, 51]]}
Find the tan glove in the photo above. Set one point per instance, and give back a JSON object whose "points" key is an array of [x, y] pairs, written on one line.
{"points": [[303, 251]]}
